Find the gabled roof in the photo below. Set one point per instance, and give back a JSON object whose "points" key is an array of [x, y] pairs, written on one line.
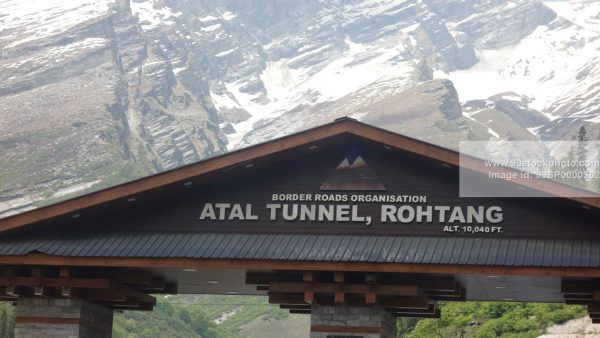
{"points": [[271, 150]]}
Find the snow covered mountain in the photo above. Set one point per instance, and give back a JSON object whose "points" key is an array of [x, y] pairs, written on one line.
{"points": [[93, 93]]}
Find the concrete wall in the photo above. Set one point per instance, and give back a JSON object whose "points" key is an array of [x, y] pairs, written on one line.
{"points": [[61, 318]]}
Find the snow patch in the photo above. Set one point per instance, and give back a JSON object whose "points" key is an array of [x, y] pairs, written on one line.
{"points": [[227, 16], [39, 19], [286, 86], [541, 66], [511, 97], [492, 132], [227, 52], [176, 71], [75, 188], [151, 16], [211, 28]]}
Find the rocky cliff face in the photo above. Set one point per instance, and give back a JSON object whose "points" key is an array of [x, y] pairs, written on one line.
{"points": [[93, 93], [89, 99]]}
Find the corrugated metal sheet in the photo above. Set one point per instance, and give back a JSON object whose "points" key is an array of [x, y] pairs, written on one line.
{"points": [[312, 247]]}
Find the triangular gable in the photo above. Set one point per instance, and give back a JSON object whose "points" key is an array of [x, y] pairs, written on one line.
{"points": [[289, 146]]}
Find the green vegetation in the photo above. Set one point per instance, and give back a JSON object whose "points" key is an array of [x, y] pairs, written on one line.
{"points": [[194, 316], [167, 320], [490, 319], [7, 320]]}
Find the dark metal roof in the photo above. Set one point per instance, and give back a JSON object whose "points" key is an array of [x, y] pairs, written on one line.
{"points": [[312, 247]]}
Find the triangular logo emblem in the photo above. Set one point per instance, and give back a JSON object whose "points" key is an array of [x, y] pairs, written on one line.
{"points": [[353, 173]]}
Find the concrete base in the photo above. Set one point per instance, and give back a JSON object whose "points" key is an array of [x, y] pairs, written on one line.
{"points": [[61, 318], [344, 321]]}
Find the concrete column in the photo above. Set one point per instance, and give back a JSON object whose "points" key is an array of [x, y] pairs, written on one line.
{"points": [[343, 321], [62, 318]]}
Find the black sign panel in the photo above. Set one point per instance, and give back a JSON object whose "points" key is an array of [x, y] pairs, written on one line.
{"points": [[361, 188]]}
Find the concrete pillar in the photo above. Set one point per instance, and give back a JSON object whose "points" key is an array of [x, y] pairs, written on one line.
{"points": [[62, 318], [343, 321]]}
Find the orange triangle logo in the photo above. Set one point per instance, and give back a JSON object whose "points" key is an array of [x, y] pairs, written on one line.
{"points": [[353, 173]]}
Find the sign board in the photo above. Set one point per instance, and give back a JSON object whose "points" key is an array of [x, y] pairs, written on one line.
{"points": [[353, 190]]}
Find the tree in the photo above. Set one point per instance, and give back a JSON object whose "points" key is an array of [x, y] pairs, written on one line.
{"points": [[581, 156]]}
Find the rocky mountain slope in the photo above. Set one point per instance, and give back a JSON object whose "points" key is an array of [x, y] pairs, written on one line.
{"points": [[93, 93]]}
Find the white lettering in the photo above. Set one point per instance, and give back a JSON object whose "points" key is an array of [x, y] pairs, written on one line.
{"points": [[476, 214], [249, 216], [342, 213], [236, 213], [494, 214], [457, 216], [273, 208], [424, 212], [222, 207], [208, 212], [441, 209], [388, 213], [406, 214]]}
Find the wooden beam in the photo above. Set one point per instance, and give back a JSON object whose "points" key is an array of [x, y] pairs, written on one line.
{"points": [[93, 283], [593, 308], [436, 314], [579, 286], [140, 307], [64, 271], [128, 276], [577, 299], [298, 299], [38, 291], [300, 312], [281, 298], [264, 278], [309, 297], [405, 302], [339, 297], [426, 283], [96, 295], [131, 292], [11, 290], [194, 263], [169, 289], [399, 290], [40, 283], [66, 291], [138, 278], [129, 302], [295, 307], [309, 294], [458, 296], [429, 309], [370, 298], [339, 277]]}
